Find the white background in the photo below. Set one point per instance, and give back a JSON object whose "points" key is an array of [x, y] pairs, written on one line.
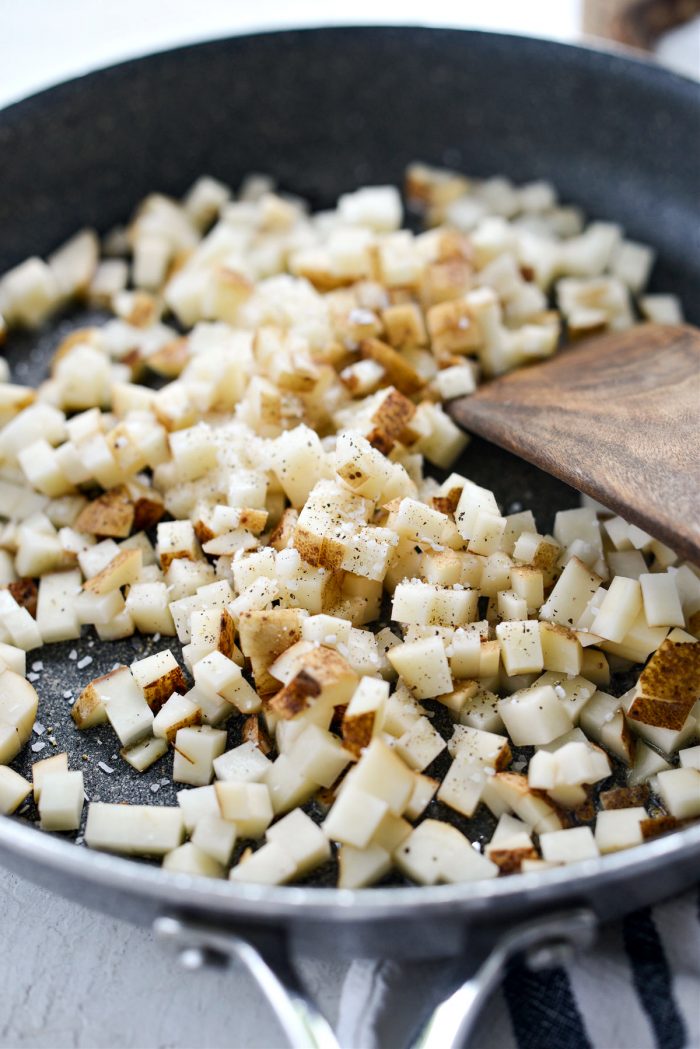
{"points": [[69, 977]]}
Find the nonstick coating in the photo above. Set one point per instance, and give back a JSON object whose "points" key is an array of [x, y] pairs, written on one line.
{"points": [[325, 111]]}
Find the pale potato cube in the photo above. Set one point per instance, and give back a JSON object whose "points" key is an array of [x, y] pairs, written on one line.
{"points": [[269, 865], [618, 610], [195, 804], [127, 710], [56, 763], [287, 785], [423, 666], [195, 750], [382, 773], [472, 501], [420, 744], [218, 674], [561, 648], [305, 842], [216, 837], [662, 605], [176, 713], [463, 784], [158, 676], [191, 859], [618, 829], [145, 753], [680, 791], [13, 790], [534, 715], [521, 648], [690, 758], [359, 868], [568, 846], [319, 755], [248, 805], [56, 616], [571, 594], [147, 604], [243, 764], [354, 817], [176, 539], [61, 801], [436, 852]]}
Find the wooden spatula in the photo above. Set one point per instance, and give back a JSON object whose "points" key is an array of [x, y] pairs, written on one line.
{"points": [[617, 417]]}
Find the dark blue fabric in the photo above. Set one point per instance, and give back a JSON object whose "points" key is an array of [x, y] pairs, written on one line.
{"points": [[652, 980], [543, 1010]]}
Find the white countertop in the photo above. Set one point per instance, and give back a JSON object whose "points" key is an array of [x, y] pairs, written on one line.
{"points": [[57, 954]]}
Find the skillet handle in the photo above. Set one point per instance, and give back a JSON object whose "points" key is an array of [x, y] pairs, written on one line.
{"points": [[264, 954], [544, 942]]}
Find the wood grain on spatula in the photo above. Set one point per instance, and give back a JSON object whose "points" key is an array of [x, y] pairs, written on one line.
{"points": [[617, 417]]}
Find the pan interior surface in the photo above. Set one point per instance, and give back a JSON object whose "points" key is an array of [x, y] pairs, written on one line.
{"points": [[304, 107]]}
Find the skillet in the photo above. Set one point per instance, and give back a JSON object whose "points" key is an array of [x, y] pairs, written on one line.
{"points": [[326, 110]]}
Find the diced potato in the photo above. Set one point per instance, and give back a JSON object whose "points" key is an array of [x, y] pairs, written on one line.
{"points": [[13, 790], [134, 830], [61, 800]]}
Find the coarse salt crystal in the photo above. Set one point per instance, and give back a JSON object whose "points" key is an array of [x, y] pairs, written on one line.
{"points": [[84, 662], [38, 728], [560, 692], [155, 787], [105, 767], [67, 694], [32, 677], [37, 665], [73, 654], [39, 745]]}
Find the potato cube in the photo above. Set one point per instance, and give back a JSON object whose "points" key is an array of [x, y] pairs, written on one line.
{"points": [[354, 817], [662, 605], [134, 830], [534, 715], [61, 801], [243, 764], [159, 676], [191, 859], [568, 846], [56, 763], [618, 610], [382, 773], [13, 790], [195, 751], [305, 842], [359, 868], [619, 829], [145, 753], [248, 805], [420, 744], [521, 649], [680, 792], [269, 865], [216, 837], [218, 674], [436, 852], [176, 713], [287, 785], [423, 666], [318, 755]]}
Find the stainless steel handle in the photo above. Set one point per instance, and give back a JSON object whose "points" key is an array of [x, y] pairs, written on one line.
{"points": [[544, 942], [265, 956]]}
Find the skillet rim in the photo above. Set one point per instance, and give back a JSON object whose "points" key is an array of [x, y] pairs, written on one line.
{"points": [[204, 895]]}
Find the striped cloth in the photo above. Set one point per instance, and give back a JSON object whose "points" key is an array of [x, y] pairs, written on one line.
{"points": [[637, 988]]}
